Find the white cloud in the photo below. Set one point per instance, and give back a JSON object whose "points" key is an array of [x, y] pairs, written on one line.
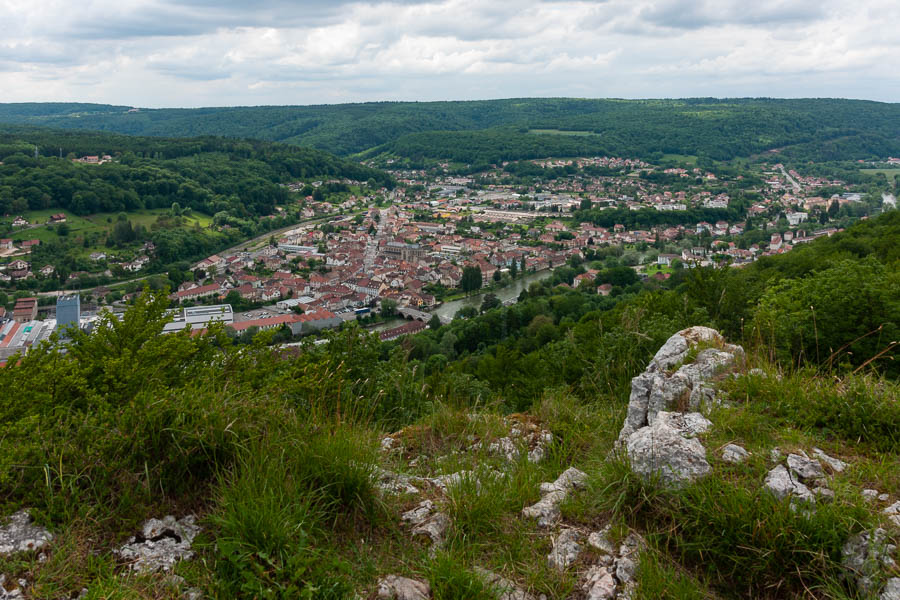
{"points": [[205, 52]]}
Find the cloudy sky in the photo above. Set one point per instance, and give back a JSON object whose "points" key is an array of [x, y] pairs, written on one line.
{"points": [[155, 53]]}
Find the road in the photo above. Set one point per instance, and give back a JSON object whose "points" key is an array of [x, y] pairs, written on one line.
{"points": [[794, 183]]}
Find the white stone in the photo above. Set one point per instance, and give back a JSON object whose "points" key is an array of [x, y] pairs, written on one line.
{"points": [[18, 533], [435, 528], [835, 464], [865, 554], [732, 453], [687, 424], [419, 514], [599, 584], [546, 510], [599, 540], [780, 482], [506, 589], [660, 450], [804, 468], [394, 587], [891, 589], [162, 543], [870, 494], [565, 549]]}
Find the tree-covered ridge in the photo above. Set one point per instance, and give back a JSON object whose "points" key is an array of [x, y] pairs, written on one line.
{"points": [[206, 174], [500, 129]]}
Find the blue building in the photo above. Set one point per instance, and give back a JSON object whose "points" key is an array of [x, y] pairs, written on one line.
{"points": [[68, 311]]}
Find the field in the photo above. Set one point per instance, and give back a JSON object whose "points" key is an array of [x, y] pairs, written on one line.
{"points": [[889, 173], [96, 223], [682, 158]]}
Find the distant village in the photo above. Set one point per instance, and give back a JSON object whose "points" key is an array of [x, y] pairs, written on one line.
{"points": [[413, 245]]}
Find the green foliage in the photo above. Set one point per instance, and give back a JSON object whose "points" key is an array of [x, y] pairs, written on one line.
{"points": [[863, 409], [451, 580], [471, 279], [485, 132]]}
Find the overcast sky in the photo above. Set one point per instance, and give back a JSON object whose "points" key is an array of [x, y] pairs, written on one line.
{"points": [[156, 53]]}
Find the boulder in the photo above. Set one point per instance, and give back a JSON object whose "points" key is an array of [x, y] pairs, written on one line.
{"points": [[161, 544], [657, 390], [19, 534], [394, 587], [660, 450], [732, 453]]}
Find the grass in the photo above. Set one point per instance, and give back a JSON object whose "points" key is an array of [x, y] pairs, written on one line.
{"points": [[97, 223], [889, 173], [689, 159]]}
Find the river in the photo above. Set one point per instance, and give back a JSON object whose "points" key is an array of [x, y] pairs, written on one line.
{"points": [[447, 310]]}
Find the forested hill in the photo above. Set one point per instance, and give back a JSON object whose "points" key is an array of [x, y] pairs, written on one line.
{"points": [[207, 174], [509, 129]]}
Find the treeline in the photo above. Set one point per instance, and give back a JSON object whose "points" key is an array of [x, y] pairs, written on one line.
{"points": [[208, 174], [721, 129]]}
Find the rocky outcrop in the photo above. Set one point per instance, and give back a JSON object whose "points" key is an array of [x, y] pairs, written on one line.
{"points": [[662, 422], [20, 534], [656, 389], [660, 450], [546, 510], [394, 587], [161, 544]]}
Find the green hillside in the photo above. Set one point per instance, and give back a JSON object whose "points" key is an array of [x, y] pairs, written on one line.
{"points": [[517, 128]]}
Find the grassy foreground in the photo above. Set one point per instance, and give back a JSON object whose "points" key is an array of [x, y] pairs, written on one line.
{"points": [[279, 456]]}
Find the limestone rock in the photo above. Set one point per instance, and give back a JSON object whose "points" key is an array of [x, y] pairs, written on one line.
{"points": [[161, 544], [865, 554], [394, 587], [657, 390], [780, 482], [599, 541], [19, 534], [732, 453], [506, 589], [893, 512], [687, 424], [546, 510], [599, 584], [627, 562], [805, 469], [394, 483], [834, 464], [565, 549], [419, 514], [891, 589], [660, 449], [870, 494], [435, 528]]}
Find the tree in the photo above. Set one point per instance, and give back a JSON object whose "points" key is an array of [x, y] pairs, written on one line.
{"points": [[434, 323], [388, 307], [497, 275], [490, 301], [513, 269], [471, 279]]}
